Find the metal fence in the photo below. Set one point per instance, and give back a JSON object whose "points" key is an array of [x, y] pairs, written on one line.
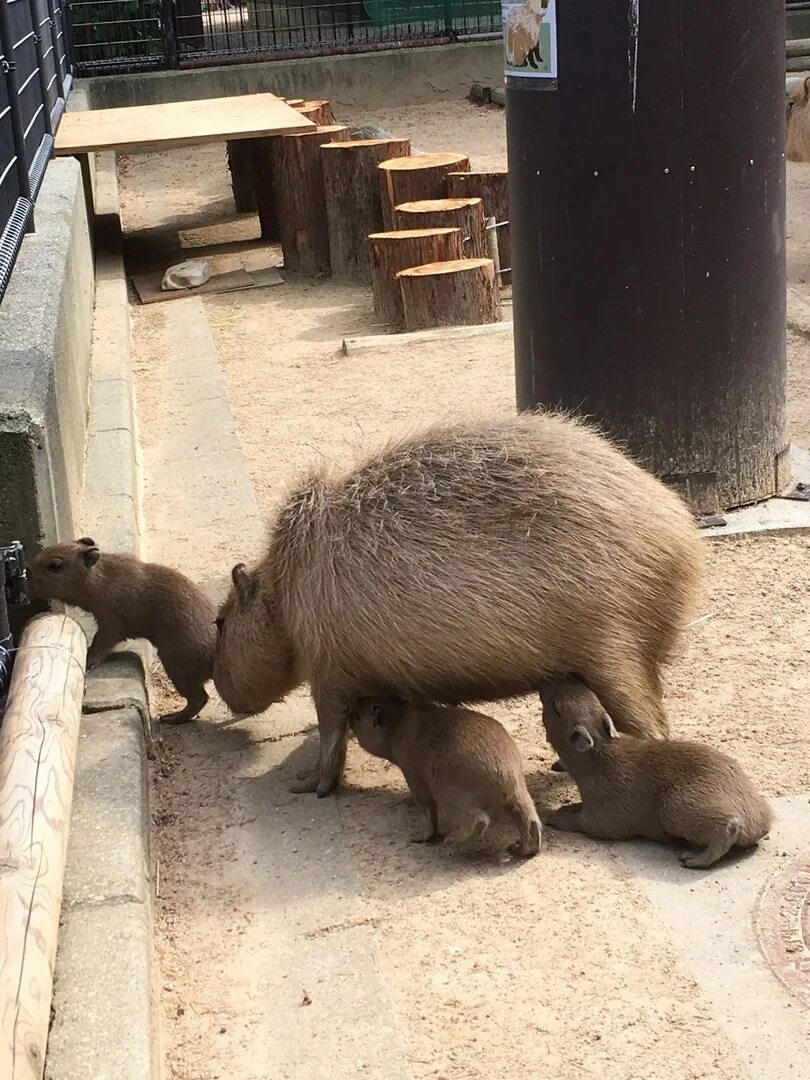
{"points": [[34, 84], [117, 35]]}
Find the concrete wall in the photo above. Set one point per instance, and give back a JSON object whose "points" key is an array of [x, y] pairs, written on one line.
{"points": [[45, 331], [396, 77]]}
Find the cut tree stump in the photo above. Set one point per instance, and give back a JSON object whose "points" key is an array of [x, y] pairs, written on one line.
{"points": [[301, 199], [422, 176], [38, 742], [242, 166], [294, 102], [390, 252], [464, 214], [319, 112], [353, 201], [493, 189], [462, 292], [264, 165]]}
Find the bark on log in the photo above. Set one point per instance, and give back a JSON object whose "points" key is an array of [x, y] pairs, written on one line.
{"points": [[301, 199], [464, 214], [353, 202], [422, 176], [319, 112], [390, 252], [242, 165], [38, 741], [463, 292], [266, 156], [493, 189]]}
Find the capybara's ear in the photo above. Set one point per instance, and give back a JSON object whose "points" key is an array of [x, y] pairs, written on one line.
{"points": [[376, 715], [244, 582], [85, 541], [90, 556], [609, 727], [581, 738]]}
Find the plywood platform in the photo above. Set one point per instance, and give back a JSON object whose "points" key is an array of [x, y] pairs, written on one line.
{"points": [[177, 123]]}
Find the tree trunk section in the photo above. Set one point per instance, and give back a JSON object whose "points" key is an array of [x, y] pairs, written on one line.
{"points": [[462, 292], [493, 189], [353, 202], [423, 176], [464, 214], [265, 159], [319, 112], [390, 252], [295, 102], [302, 201], [242, 166], [38, 742]]}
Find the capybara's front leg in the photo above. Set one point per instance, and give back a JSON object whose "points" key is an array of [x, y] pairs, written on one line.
{"points": [[567, 818], [333, 726]]}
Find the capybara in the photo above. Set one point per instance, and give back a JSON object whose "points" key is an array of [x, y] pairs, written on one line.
{"points": [[797, 95], [667, 791], [463, 564], [458, 763], [133, 599]]}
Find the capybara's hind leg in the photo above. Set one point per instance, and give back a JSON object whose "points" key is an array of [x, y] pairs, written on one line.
{"points": [[524, 814], [197, 699], [429, 826], [720, 844], [333, 729]]}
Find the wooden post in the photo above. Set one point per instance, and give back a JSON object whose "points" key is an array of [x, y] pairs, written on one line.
{"points": [[242, 166], [463, 292], [422, 176], [353, 203], [493, 189], [301, 199], [38, 741], [390, 252], [319, 112], [264, 174], [464, 214]]}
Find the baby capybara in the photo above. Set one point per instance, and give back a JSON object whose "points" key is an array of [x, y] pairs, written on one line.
{"points": [[133, 599], [463, 564], [458, 763], [667, 791]]}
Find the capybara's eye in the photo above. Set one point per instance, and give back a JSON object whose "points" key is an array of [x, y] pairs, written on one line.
{"points": [[55, 566]]}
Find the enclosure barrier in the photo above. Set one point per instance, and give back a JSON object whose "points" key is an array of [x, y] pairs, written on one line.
{"points": [[35, 83], [38, 742]]}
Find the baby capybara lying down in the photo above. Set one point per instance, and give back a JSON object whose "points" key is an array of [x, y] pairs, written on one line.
{"points": [[458, 764], [667, 791], [465, 563], [133, 599]]}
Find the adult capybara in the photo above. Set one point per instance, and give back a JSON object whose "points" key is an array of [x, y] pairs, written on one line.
{"points": [[674, 790], [466, 563], [133, 599], [458, 764]]}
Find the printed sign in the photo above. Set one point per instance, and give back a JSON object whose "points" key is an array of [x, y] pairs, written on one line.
{"points": [[530, 39]]}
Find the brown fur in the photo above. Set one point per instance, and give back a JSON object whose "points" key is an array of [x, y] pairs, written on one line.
{"points": [[133, 599], [457, 763], [467, 563], [798, 121], [665, 791]]}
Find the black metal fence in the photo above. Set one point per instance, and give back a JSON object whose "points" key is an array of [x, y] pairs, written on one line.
{"points": [[34, 84], [117, 35]]}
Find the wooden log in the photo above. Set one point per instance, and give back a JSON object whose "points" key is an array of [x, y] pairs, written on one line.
{"points": [[319, 112], [493, 188], [390, 252], [463, 292], [464, 214], [38, 741], [266, 154], [353, 201], [295, 102], [301, 199], [422, 176], [242, 165]]}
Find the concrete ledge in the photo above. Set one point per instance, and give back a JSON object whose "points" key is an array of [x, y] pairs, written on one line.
{"points": [[395, 77]]}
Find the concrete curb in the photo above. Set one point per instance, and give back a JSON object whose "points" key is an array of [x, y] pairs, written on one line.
{"points": [[105, 987]]}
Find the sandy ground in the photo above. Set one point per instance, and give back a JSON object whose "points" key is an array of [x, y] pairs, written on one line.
{"points": [[489, 971]]}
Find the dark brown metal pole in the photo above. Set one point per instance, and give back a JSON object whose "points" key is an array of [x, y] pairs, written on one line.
{"points": [[647, 205]]}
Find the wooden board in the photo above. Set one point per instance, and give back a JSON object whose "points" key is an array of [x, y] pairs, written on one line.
{"points": [[177, 123], [420, 337], [148, 285]]}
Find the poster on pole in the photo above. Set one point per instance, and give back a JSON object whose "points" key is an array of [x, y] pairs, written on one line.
{"points": [[530, 39]]}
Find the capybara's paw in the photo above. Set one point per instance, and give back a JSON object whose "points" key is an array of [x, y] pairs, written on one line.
{"points": [[181, 717], [324, 787], [306, 785], [558, 767], [424, 836], [696, 860]]}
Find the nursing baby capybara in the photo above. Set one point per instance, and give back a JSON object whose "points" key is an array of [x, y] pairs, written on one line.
{"points": [[459, 764], [133, 599], [674, 790], [466, 563]]}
